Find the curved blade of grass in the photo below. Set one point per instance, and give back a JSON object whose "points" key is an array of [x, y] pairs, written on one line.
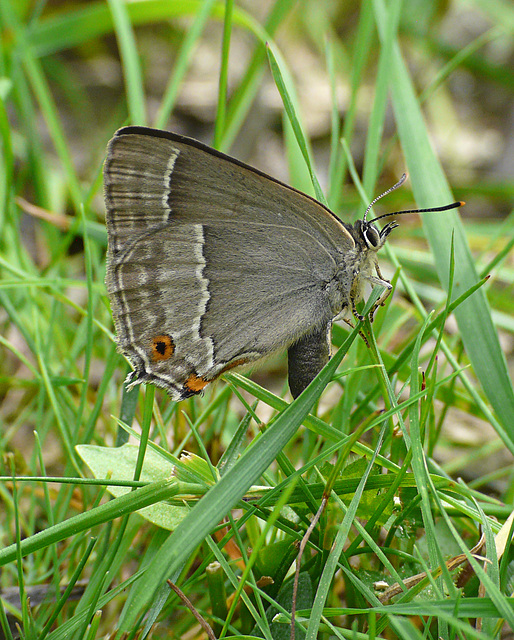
{"points": [[430, 189], [285, 87]]}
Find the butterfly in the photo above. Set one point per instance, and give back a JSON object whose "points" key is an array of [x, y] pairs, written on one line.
{"points": [[213, 265]]}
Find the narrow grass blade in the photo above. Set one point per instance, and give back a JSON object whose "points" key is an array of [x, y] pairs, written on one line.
{"points": [[130, 59]]}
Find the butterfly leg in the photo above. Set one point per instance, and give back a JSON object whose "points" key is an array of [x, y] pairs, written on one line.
{"points": [[383, 283], [358, 315], [361, 333]]}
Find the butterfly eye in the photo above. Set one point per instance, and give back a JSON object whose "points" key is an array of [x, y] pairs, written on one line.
{"points": [[371, 236]]}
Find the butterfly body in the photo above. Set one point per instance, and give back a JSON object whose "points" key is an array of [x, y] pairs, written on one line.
{"points": [[213, 265]]}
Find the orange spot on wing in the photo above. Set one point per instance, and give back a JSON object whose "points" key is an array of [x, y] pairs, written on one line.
{"points": [[162, 348], [195, 383]]}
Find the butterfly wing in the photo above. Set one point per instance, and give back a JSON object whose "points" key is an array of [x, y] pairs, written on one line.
{"points": [[211, 264]]}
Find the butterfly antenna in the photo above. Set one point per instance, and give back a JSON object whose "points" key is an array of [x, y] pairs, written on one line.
{"points": [[395, 186], [453, 205]]}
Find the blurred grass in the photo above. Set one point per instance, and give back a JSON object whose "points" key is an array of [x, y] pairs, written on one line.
{"points": [[403, 400]]}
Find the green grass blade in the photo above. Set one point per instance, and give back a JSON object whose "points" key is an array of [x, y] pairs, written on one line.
{"points": [[377, 118], [285, 87], [223, 79], [130, 60], [333, 559], [363, 43], [125, 504]]}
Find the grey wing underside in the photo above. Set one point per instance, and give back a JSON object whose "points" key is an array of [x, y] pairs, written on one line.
{"points": [[229, 263]]}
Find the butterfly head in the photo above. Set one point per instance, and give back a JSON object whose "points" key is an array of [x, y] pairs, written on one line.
{"points": [[374, 238], [371, 236]]}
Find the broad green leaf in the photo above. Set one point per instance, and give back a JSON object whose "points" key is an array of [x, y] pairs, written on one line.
{"points": [[118, 463]]}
